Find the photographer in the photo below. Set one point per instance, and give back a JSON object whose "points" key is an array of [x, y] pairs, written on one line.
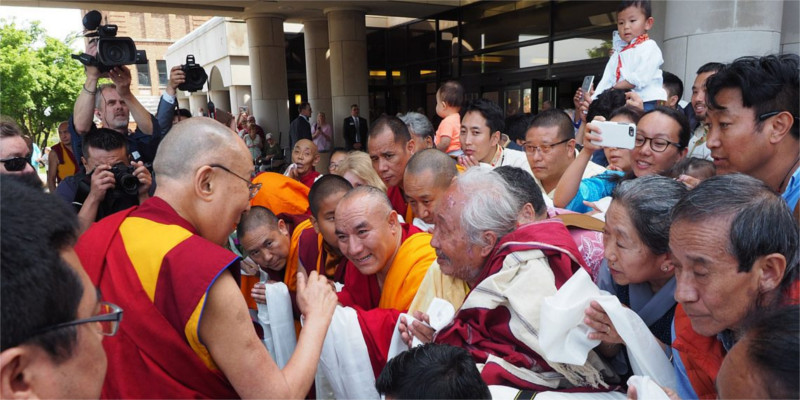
{"points": [[166, 105], [112, 183], [113, 104]]}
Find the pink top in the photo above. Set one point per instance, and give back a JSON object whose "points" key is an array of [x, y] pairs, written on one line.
{"points": [[450, 127], [323, 139]]}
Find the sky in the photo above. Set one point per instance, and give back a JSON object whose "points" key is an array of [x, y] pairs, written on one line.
{"points": [[57, 22]]}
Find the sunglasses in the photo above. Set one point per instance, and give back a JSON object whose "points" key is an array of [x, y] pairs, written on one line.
{"points": [[15, 164]]}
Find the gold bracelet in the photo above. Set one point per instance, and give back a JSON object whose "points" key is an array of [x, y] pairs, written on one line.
{"points": [[88, 91]]}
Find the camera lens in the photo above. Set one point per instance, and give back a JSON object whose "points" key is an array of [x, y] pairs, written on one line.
{"points": [[116, 51]]}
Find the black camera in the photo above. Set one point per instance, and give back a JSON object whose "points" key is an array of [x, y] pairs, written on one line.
{"points": [[196, 76], [112, 51], [126, 181]]}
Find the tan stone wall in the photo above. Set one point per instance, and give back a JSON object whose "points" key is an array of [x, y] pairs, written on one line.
{"points": [[153, 33]]}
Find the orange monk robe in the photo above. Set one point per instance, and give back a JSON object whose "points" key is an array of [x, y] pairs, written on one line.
{"points": [[378, 309], [281, 194]]}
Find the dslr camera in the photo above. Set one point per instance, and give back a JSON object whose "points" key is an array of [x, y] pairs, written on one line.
{"points": [[126, 181], [196, 76], [112, 51]]}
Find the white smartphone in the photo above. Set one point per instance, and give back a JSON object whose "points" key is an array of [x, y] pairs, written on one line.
{"points": [[588, 80], [616, 134]]}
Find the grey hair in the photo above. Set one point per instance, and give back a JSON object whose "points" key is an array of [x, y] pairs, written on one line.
{"points": [[761, 222], [418, 124], [98, 98], [489, 205], [648, 201]]}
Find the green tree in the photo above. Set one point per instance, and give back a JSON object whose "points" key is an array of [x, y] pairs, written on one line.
{"points": [[38, 80], [604, 50]]}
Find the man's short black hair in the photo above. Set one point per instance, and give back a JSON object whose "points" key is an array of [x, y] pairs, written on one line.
{"points": [[303, 106], [679, 117], [39, 289], [772, 341], [672, 84], [432, 371], [524, 187], [325, 186], [710, 67], [394, 124], [557, 118], [767, 84], [645, 5], [517, 125], [103, 139], [184, 113], [490, 111]]}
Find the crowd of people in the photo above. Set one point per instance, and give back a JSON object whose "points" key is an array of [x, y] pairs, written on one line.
{"points": [[421, 261]]}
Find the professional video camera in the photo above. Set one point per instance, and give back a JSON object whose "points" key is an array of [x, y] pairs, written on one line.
{"points": [[112, 51], [196, 76]]}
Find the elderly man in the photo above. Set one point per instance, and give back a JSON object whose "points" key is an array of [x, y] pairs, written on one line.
{"points": [[428, 175], [387, 261], [753, 121], [475, 235], [550, 148], [188, 332], [113, 104], [735, 252], [390, 146], [62, 163], [421, 129], [51, 347]]}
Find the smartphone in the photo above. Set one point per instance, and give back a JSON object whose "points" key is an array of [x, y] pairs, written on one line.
{"points": [[616, 134], [588, 80]]}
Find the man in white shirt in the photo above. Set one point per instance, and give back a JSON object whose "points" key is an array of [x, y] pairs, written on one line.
{"points": [[697, 143]]}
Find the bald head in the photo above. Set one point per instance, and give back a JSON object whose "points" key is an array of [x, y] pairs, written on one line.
{"points": [[255, 217], [366, 197], [194, 143], [305, 143], [441, 166]]}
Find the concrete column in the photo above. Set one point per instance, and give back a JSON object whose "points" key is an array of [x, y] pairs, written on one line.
{"points": [[697, 32], [790, 33], [318, 68], [221, 99], [240, 97], [268, 80], [196, 102], [347, 35]]}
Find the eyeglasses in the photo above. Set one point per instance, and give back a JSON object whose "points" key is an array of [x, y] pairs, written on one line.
{"points": [[656, 144], [253, 188], [545, 148], [107, 319], [764, 116], [15, 164]]}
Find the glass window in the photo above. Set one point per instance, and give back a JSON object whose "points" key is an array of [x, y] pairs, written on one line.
{"points": [[143, 74], [493, 24], [571, 16], [162, 72], [397, 45], [582, 48], [422, 40]]}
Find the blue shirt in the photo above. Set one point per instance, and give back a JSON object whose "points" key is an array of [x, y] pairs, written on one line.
{"points": [[593, 189], [792, 192]]}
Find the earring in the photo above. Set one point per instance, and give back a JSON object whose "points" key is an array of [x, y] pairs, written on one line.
{"points": [[665, 268]]}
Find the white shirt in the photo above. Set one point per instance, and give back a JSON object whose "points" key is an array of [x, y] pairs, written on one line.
{"points": [[516, 158], [641, 66], [699, 150]]}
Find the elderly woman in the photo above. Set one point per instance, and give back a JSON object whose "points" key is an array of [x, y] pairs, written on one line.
{"points": [[637, 267], [357, 169]]}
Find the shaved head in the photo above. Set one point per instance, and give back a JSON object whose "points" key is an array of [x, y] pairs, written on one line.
{"points": [[306, 143], [257, 216], [441, 166], [362, 194], [193, 143], [325, 187]]}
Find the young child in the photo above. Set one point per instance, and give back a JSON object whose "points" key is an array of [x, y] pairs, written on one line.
{"points": [[449, 99], [304, 158], [636, 61]]}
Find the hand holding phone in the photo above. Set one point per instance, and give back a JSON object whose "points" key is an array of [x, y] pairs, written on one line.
{"points": [[616, 134]]}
